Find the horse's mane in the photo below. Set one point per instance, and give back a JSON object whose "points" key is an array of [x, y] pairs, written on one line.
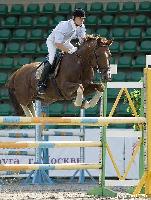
{"points": [[89, 38]]}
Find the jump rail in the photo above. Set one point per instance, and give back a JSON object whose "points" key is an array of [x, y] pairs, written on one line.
{"points": [[79, 121], [37, 144], [68, 166]]}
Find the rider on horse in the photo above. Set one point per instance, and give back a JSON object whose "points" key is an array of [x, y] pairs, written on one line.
{"points": [[60, 38]]}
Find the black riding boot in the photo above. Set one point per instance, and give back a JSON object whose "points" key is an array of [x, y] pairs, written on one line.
{"points": [[42, 84]]}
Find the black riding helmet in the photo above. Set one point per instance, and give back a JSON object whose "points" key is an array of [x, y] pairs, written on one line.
{"points": [[79, 13]]}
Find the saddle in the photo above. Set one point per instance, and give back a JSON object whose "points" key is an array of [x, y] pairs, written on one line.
{"points": [[56, 65]]}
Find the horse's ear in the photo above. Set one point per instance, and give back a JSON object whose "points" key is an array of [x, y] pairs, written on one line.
{"points": [[104, 41], [109, 42], [100, 41]]}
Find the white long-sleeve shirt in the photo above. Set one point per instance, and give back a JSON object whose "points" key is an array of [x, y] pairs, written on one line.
{"points": [[65, 31]]}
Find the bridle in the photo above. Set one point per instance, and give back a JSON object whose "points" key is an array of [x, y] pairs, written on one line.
{"points": [[105, 71], [96, 58], [97, 66]]}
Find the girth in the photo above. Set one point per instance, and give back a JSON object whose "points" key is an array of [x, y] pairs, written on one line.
{"points": [[58, 91]]}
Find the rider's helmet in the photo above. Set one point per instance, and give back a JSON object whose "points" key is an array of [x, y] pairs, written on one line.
{"points": [[79, 13]]}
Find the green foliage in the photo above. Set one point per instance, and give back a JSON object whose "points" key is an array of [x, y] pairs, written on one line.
{"points": [[136, 99]]}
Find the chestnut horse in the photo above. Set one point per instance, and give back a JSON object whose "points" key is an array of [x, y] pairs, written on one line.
{"points": [[73, 79]]}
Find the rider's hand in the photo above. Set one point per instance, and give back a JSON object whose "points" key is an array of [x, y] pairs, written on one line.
{"points": [[71, 51]]}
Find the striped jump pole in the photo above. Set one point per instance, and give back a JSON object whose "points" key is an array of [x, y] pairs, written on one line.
{"points": [[30, 133], [79, 121], [17, 153]]}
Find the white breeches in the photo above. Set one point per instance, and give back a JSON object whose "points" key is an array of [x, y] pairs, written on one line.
{"points": [[52, 49]]}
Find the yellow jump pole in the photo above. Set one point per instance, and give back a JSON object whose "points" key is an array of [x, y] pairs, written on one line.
{"points": [[146, 179], [148, 119]]}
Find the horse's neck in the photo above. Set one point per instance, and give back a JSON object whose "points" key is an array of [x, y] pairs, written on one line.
{"points": [[86, 62], [86, 54]]}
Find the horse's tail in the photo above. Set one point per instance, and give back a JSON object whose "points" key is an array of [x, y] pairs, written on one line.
{"points": [[11, 90]]}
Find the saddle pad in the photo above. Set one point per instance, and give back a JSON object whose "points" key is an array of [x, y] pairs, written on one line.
{"points": [[39, 70]]}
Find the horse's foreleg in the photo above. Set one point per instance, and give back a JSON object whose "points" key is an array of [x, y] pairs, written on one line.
{"points": [[93, 87], [26, 111], [93, 101], [79, 97], [32, 109], [98, 89]]}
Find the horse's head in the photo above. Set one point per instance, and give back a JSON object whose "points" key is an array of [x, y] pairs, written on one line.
{"points": [[99, 55], [102, 57]]}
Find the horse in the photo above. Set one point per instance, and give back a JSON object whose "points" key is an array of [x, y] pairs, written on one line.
{"points": [[73, 80]]}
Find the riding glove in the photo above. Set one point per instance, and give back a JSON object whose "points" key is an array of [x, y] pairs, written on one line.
{"points": [[71, 51]]}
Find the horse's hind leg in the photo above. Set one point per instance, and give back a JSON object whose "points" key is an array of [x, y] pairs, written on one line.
{"points": [[79, 97], [27, 111]]}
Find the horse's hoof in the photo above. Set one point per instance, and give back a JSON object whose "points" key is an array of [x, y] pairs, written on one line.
{"points": [[85, 105], [77, 104]]}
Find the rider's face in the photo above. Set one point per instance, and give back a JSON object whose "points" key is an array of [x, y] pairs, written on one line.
{"points": [[79, 20]]}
